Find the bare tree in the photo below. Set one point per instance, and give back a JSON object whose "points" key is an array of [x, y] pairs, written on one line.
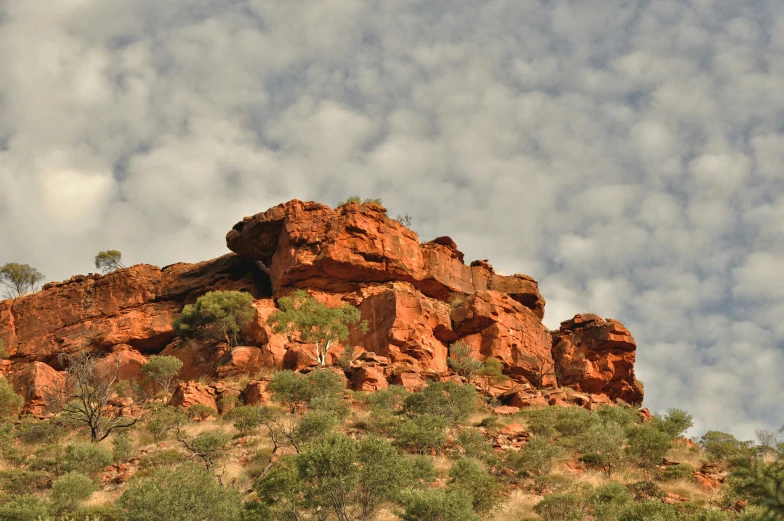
{"points": [[541, 367], [85, 397]]}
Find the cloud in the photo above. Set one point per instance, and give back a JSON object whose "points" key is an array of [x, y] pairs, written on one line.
{"points": [[626, 154]]}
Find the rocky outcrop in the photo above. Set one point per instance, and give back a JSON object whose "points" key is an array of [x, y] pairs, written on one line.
{"points": [[594, 355], [308, 244], [38, 383], [417, 300]]}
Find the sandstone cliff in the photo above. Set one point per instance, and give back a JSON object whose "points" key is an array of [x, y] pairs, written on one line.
{"points": [[417, 298]]}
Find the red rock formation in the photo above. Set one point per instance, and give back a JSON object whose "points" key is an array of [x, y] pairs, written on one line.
{"points": [[311, 245], [188, 394], [597, 356], [37, 382]]}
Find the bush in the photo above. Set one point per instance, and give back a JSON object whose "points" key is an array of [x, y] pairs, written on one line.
{"points": [[246, 418], [422, 433], [648, 511], [87, 458], [199, 412], [561, 507], [621, 415], [675, 423], [18, 481], [535, 459], [23, 508], [32, 431], [220, 316], [647, 445], [71, 489], [162, 370], [461, 360], [164, 458], [573, 421], [49, 458], [122, 447], [610, 500], [468, 477], [292, 389], [161, 421], [541, 422], [185, 493], [723, 446], [602, 445], [437, 505], [389, 400], [449, 400], [314, 425], [10, 402], [675, 472]]}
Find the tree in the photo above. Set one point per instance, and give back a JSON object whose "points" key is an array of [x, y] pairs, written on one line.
{"points": [[675, 423], [724, 446], [315, 322], [647, 445], [10, 402], [184, 493], [85, 397], [108, 261], [162, 370], [219, 316], [208, 446], [449, 400], [20, 279], [762, 484], [69, 490], [462, 361], [493, 372], [602, 445], [470, 477]]}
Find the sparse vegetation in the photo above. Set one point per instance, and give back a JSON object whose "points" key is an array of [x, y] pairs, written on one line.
{"points": [[219, 316], [108, 261]]}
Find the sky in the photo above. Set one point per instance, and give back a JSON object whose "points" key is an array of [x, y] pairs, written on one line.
{"points": [[629, 154]]}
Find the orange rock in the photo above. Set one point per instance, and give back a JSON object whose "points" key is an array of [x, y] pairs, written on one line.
{"points": [[187, 394], [37, 382], [126, 360], [514, 430], [199, 357], [505, 410], [256, 393], [368, 378], [307, 244], [406, 326], [413, 382], [597, 356], [240, 360]]}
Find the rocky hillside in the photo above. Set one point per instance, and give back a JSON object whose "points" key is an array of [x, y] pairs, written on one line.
{"points": [[417, 298]]}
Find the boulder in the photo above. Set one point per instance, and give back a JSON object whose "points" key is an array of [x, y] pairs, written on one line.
{"points": [[125, 360], [188, 394], [368, 378], [37, 382], [256, 393], [594, 356], [240, 360]]}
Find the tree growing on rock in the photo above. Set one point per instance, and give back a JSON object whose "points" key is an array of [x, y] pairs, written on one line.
{"points": [[315, 322], [162, 370], [108, 261], [219, 316], [19, 279], [461, 360]]}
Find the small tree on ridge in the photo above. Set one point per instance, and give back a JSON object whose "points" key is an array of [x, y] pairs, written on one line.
{"points": [[20, 279], [108, 261]]}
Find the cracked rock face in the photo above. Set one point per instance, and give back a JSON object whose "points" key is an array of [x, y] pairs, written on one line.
{"points": [[417, 299]]}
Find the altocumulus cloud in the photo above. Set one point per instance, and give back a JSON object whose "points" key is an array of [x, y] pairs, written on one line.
{"points": [[628, 154]]}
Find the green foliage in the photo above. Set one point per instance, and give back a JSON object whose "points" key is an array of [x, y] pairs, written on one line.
{"points": [[314, 425], [161, 421], [18, 481], [10, 402], [762, 484], [108, 261], [162, 370], [610, 500], [622, 415], [493, 370], [122, 447], [604, 442], [209, 446], [32, 431], [573, 421], [49, 458], [561, 507], [246, 418], [19, 279], [541, 422], [3, 353], [422, 433], [648, 511], [647, 445], [291, 389], [358, 200], [536, 459], [315, 322], [23, 508], [470, 478], [692, 512], [724, 446], [449, 400], [437, 505], [162, 459], [461, 360], [476, 445], [185, 493], [674, 423], [675, 472], [219, 316], [87, 458], [69, 490], [199, 412]]}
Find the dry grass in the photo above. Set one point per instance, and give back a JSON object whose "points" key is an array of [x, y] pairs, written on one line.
{"points": [[519, 506]]}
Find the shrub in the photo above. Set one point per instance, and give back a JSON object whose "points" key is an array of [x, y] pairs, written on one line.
{"points": [[209, 446], [675, 423], [647, 445], [162, 370], [477, 446], [219, 316], [31, 432], [185, 493], [49, 458], [573, 421], [437, 505], [10, 402], [290, 388], [679, 471], [648, 511], [338, 406], [535, 459], [122, 447], [87, 458], [602, 445], [622, 415], [468, 477], [164, 458], [199, 412], [461, 360], [391, 399], [561, 507], [71, 489], [246, 418], [723, 446], [23, 508], [449, 400], [314, 425], [422, 433], [541, 422], [161, 421], [610, 500], [17, 481]]}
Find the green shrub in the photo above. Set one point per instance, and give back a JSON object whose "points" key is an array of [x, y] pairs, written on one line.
{"points": [[314, 425], [675, 472], [674, 423], [161, 421], [536, 459], [610, 500], [437, 505], [69, 490], [692, 512], [602, 445], [619, 414], [724, 446], [49, 458], [292, 389], [87, 458], [474, 444], [573, 421], [162, 459], [541, 422], [162, 370], [200, 412], [220, 316], [185, 493], [648, 511], [23, 508], [122, 447], [422, 433], [391, 399], [31, 432], [10, 402], [449, 400], [561, 507], [332, 404], [246, 418], [461, 360], [647, 445], [644, 490], [18, 481], [470, 478]]}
